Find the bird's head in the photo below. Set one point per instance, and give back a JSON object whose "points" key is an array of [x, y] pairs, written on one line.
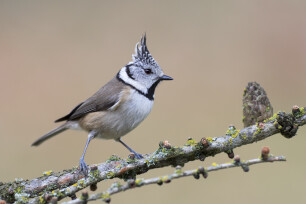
{"points": [[144, 69]]}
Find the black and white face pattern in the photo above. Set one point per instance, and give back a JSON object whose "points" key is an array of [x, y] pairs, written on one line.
{"points": [[143, 73]]}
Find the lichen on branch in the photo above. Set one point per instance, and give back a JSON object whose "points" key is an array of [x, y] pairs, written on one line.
{"points": [[178, 173], [68, 182]]}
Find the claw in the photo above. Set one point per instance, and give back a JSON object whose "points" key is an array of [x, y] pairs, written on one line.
{"points": [[138, 156], [83, 167]]}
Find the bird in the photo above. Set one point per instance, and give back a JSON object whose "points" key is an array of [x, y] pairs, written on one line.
{"points": [[117, 107]]}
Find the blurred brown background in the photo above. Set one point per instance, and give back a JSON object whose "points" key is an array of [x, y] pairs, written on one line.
{"points": [[54, 54]]}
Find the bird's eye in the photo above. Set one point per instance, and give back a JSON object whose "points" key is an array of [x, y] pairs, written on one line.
{"points": [[148, 71]]}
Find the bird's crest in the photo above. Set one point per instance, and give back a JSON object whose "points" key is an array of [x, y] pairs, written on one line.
{"points": [[142, 54]]}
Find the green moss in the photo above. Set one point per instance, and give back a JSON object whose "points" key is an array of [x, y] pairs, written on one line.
{"points": [[258, 130], [128, 175], [105, 195], [244, 91], [116, 185], [22, 197], [159, 182], [198, 147], [81, 184], [151, 161], [243, 136], [191, 142], [95, 173], [23, 200], [139, 182], [19, 189], [57, 193], [164, 178], [209, 139], [275, 116], [228, 132], [230, 141], [236, 133], [51, 187], [113, 158], [178, 171], [277, 125], [129, 160], [47, 173], [300, 113], [233, 132], [110, 175], [41, 200], [214, 164], [147, 162], [165, 152]]}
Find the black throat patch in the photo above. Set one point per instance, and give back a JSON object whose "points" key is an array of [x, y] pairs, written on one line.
{"points": [[151, 90]]}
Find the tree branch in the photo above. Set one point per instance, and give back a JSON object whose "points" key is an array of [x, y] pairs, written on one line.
{"points": [[117, 187], [68, 182]]}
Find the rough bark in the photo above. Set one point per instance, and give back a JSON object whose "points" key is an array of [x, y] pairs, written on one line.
{"points": [[68, 182]]}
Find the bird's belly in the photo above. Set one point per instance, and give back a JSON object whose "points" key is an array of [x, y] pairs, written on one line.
{"points": [[113, 124]]}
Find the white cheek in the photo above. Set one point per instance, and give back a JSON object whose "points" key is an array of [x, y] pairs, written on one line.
{"points": [[123, 75]]}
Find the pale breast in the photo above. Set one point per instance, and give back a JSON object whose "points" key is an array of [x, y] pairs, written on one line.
{"points": [[122, 118]]}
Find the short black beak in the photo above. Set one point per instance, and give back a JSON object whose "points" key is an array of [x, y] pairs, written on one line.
{"points": [[165, 77]]}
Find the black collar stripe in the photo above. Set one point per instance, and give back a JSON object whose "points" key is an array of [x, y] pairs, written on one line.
{"points": [[128, 72], [151, 90]]}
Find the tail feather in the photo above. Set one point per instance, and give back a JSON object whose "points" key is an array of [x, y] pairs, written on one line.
{"points": [[51, 134]]}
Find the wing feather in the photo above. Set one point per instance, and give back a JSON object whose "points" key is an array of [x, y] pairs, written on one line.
{"points": [[102, 100]]}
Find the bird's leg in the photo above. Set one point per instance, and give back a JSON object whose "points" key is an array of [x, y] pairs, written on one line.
{"points": [[83, 165], [137, 156]]}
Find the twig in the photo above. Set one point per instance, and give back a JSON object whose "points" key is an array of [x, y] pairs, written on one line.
{"points": [[117, 187]]}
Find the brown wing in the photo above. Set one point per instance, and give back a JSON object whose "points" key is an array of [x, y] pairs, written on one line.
{"points": [[103, 99]]}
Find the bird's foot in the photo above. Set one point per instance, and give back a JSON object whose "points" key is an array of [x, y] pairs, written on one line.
{"points": [[83, 167], [138, 156]]}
